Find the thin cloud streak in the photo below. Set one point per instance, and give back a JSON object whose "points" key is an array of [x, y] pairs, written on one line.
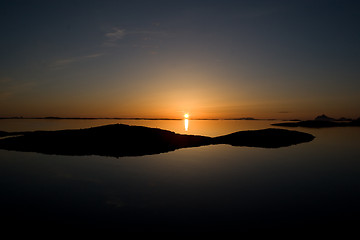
{"points": [[5, 80], [10, 87], [64, 62]]}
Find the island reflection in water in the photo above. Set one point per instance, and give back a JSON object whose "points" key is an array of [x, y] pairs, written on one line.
{"points": [[312, 186]]}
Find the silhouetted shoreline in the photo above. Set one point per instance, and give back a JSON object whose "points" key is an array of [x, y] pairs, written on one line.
{"points": [[119, 140]]}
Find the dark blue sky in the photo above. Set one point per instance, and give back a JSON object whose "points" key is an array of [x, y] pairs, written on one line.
{"points": [[282, 59]]}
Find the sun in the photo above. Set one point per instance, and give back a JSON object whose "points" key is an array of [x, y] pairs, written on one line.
{"points": [[186, 115]]}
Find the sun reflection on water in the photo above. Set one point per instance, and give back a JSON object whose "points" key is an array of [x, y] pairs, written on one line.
{"points": [[186, 121]]}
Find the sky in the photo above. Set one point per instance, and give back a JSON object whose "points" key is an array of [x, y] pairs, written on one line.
{"points": [[161, 59]]}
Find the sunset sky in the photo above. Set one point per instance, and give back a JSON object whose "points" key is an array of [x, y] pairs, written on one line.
{"points": [[213, 59]]}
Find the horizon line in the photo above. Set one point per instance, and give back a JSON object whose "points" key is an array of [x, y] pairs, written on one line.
{"points": [[135, 118], [165, 118]]}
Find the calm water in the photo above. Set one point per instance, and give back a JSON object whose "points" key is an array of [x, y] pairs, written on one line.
{"points": [[311, 186]]}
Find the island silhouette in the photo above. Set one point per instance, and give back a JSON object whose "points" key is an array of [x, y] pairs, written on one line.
{"points": [[119, 140]]}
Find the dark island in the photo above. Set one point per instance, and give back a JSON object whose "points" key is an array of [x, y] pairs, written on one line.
{"points": [[119, 140]]}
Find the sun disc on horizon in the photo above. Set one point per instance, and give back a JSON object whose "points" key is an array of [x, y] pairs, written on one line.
{"points": [[186, 115]]}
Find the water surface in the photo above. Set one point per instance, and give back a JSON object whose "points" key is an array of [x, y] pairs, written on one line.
{"points": [[310, 186]]}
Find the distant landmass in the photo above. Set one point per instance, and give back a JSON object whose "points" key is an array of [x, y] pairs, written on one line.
{"points": [[322, 121], [324, 118], [119, 140], [91, 118], [129, 118]]}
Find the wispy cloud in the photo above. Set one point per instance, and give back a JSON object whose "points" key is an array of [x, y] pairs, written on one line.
{"points": [[117, 34], [114, 36], [63, 62]]}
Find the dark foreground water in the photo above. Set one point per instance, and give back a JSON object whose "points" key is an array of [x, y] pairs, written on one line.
{"points": [[311, 187]]}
